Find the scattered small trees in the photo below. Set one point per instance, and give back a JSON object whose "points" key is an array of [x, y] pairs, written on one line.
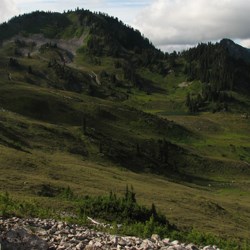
{"points": [[214, 66], [84, 124], [30, 71], [219, 98], [123, 210], [13, 62]]}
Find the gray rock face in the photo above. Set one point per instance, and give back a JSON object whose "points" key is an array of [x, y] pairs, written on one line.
{"points": [[20, 239], [37, 234]]}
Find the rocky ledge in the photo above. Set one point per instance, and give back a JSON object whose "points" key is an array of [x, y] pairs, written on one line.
{"points": [[38, 234]]}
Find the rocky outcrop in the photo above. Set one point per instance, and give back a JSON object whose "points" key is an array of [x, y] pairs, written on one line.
{"points": [[38, 234], [19, 239]]}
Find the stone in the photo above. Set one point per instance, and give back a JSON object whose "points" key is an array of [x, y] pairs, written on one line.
{"points": [[179, 247], [138, 242], [42, 232], [98, 244], [175, 242], [147, 244], [52, 231], [155, 237], [61, 248], [114, 240], [80, 246], [191, 247], [208, 248], [160, 244], [20, 239], [122, 242], [60, 226], [16, 234], [166, 241], [91, 243], [89, 247]]}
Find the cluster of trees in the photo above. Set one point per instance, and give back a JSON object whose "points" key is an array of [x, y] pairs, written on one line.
{"points": [[193, 103], [13, 63], [156, 156], [158, 152], [111, 37], [136, 219], [104, 43], [213, 64], [72, 80], [47, 23], [209, 95], [113, 29], [120, 209], [220, 71]]}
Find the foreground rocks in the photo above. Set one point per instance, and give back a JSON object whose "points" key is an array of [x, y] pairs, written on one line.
{"points": [[37, 234]]}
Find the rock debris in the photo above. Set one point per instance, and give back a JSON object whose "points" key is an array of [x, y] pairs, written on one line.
{"points": [[49, 234]]}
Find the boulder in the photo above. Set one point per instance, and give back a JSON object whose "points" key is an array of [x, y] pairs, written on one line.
{"points": [[20, 239]]}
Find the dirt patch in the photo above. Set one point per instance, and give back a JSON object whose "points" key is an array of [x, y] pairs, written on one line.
{"points": [[184, 84], [70, 45]]}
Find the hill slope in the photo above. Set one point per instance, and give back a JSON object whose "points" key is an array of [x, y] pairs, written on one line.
{"points": [[89, 103]]}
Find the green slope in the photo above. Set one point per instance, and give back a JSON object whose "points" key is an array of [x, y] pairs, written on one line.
{"points": [[85, 108]]}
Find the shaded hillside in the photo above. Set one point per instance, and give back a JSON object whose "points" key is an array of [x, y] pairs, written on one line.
{"points": [[89, 127], [222, 68], [236, 51], [109, 61]]}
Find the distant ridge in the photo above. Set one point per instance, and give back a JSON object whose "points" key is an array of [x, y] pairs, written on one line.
{"points": [[235, 50]]}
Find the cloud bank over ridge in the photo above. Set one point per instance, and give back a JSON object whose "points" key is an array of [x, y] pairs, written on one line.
{"points": [[8, 8], [182, 23], [169, 24]]}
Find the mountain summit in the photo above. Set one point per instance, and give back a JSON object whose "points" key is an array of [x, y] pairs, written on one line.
{"points": [[235, 50]]}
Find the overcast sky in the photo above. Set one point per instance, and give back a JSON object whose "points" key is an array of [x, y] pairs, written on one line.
{"points": [[169, 24]]}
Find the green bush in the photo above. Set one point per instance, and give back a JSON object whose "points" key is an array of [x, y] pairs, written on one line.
{"points": [[120, 209], [10, 207]]}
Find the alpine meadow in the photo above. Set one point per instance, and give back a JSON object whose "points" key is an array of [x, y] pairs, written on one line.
{"points": [[96, 121]]}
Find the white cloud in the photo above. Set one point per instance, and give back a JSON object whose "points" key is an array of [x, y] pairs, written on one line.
{"points": [[171, 23], [8, 8], [175, 47], [245, 43]]}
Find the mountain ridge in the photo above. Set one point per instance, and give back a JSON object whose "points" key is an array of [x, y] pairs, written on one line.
{"points": [[237, 51]]}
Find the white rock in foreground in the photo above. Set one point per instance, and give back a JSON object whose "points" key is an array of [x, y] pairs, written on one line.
{"points": [[37, 234]]}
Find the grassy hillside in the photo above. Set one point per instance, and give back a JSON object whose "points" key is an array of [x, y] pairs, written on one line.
{"points": [[74, 114]]}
